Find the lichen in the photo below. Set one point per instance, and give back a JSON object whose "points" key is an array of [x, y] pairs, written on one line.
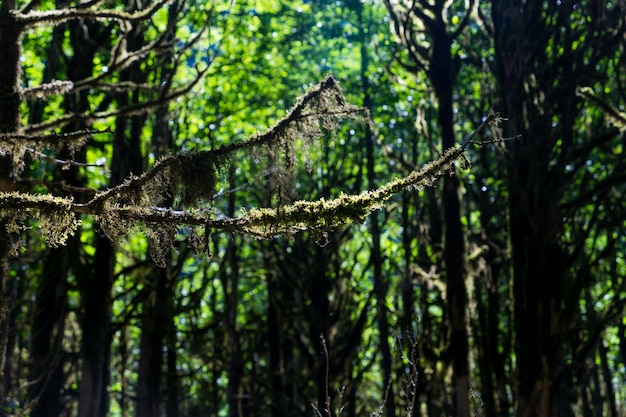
{"points": [[322, 215], [145, 202], [53, 215]]}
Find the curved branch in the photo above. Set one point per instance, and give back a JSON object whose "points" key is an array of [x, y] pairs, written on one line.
{"points": [[132, 110], [56, 17]]}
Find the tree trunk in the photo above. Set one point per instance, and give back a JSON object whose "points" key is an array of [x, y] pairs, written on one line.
{"points": [[230, 283], [96, 333], [275, 344], [442, 74], [10, 71], [48, 333], [157, 320], [537, 268], [10, 52], [381, 286], [153, 331]]}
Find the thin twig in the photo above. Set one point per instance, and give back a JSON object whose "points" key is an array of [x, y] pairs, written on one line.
{"points": [[491, 141], [491, 117], [64, 163], [323, 340]]}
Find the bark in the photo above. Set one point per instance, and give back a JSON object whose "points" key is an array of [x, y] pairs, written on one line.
{"points": [[173, 381], [50, 311], [155, 321], [531, 298], [96, 334], [10, 52], [96, 284], [153, 331], [230, 284], [442, 75], [490, 294], [275, 348], [48, 332], [319, 288], [282, 364]]}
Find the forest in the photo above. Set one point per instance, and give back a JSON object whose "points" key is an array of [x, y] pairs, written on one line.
{"points": [[327, 208]]}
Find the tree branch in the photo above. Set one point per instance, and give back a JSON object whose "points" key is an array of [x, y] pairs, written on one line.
{"points": [[56, 17]]}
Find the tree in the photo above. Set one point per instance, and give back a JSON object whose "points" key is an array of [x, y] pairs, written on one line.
{"points": [[552, 256], [115, 100], [163, 264], [424, 31], [538, 55]]}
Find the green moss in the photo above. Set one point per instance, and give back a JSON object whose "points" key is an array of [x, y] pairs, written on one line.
{"points": [[322, 214]]}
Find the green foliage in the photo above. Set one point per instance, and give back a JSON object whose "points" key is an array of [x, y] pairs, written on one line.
{"points": [[613, 115], [191, 178], [158, 150]]}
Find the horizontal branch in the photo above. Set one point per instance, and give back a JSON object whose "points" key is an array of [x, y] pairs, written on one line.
{"points": [[132, 110], [302, 215], [57, 17], [122, 206], [46, 90], [53, 138]]}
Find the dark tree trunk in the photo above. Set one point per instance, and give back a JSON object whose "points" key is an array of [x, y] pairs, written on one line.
{"points": [[529, 278], [491, 289], [543, 110], [434, 55], [230, 284], [48, 332], [153, 331], [442, 75], [10, 52], [275, 346], [96, 333], [95, 285], [173, 380], [319, 290], [381, 286], [50, 311], [157, 320], [235, 365]]}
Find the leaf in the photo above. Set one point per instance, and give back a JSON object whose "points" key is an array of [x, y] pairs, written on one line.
{"points": [[614, 116]]}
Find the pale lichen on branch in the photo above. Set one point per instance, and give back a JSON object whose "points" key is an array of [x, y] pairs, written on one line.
{"points": [[137, 202], [56, 17]]}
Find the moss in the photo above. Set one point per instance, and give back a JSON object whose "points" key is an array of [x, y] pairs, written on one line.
{"points": [[191, 179], [322, 215], [54, 215]]}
